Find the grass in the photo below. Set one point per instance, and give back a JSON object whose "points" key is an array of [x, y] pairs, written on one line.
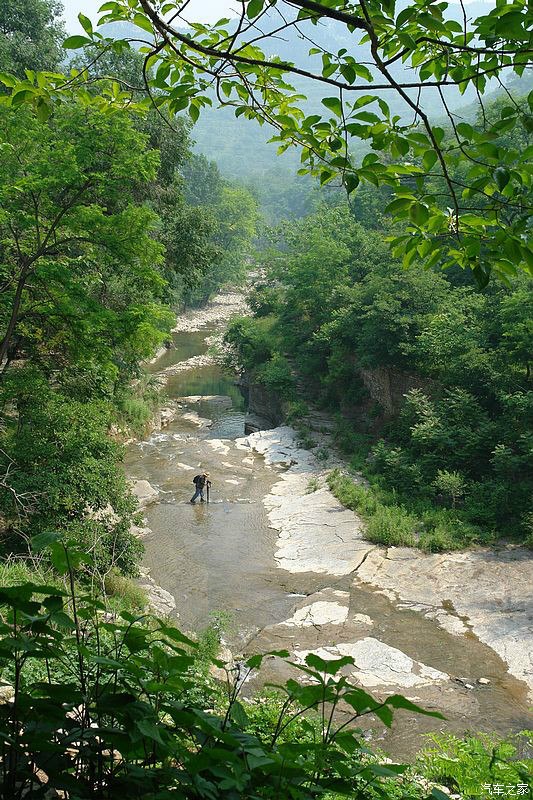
{"points": [[389, 521], [125, 591], [393, 526]]}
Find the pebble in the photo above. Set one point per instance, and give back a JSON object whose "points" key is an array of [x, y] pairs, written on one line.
{"points": [[483, 681]]}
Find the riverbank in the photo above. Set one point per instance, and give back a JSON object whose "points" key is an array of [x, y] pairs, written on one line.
{"points": [[278, 554]]}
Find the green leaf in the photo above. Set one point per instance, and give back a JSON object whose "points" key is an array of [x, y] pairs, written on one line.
{"points": [[351, 181], [86, 24], [22, 96], [329, 666], [141, 21], [42, 540], [254, 8], [501, 177], [419, 213], [8, 80], [75, 42], [194, 112], [429, 159], [334, 104], [399, 701]]}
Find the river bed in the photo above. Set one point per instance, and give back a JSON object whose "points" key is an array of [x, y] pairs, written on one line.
{"points": [[234, 554]]}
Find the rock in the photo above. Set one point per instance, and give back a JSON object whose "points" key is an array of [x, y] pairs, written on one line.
{"points": [[225, 655], [222, 307], [196, 419], [161, 602], [139, 531], [7, 694], [454, 589], [218, 446], [330, 611], [378, 664], [362, 619], [167, 415], [483, 681], [254, 423], [144, 492]]}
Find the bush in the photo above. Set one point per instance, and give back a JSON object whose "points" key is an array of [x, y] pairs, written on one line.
{"points": [[124, 722], [352, 495], [296, 410], [125, 591], [251, 342], [392, 526], [467, 765], [276, 375], [445, 531]]}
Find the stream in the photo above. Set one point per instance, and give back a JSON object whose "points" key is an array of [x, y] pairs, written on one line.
{"points": [[221, 557]]}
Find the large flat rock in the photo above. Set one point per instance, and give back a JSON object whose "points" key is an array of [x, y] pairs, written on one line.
{"points": [[486, 592], [315, 532]]}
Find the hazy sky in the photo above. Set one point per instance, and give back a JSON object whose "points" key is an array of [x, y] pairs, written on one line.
{"points": [[211, 10]]}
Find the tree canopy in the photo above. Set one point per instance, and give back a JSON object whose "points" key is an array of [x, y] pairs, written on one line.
{"points": [[464, 195]]}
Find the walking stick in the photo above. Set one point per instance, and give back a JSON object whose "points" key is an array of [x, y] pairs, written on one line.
{"points": [[208, 486]]}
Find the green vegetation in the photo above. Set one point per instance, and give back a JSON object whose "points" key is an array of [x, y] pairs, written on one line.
{"points": [[430, 375], [108, 224], [107, 705], [101, 241]]}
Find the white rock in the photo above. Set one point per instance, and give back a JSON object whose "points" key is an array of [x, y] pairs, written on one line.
{"points": [[144, 492], [218, 445], [362, 619], [379, 664], [319, 613]]}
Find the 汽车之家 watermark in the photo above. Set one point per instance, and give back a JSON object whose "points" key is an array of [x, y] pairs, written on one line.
{"points": [[508, 789]]}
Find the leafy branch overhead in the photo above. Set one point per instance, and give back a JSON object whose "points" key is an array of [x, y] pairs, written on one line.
{"points": [[464, 195]]}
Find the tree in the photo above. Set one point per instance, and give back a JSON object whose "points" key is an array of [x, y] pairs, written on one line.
{"points": [[403, 53], [31, 34], [78, 263]]}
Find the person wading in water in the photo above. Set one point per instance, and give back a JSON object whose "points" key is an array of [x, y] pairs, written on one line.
{"points": [[200, 481]]}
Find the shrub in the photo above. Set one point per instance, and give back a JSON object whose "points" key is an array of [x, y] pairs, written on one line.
{"points": [[447, 532], [125, 591], [350, 494], [467, 765], [393, 526], [450, 484], [276, 375], [296, 410], [124, 722]]}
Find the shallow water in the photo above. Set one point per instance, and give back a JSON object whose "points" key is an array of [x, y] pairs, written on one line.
{"points": [[215, 557], [219, 557]]}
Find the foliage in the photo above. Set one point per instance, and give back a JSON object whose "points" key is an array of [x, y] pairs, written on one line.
{"points": [[478, 763], [68, 467], [121, 724], [32, 35], [276, 375], [464, 193], [392, 526], [363, 331]]}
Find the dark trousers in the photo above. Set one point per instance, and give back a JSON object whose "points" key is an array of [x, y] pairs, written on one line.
{"points": [[198, 493]]}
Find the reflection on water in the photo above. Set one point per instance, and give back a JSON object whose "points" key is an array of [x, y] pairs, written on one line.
{"points": [[209, 380]]}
